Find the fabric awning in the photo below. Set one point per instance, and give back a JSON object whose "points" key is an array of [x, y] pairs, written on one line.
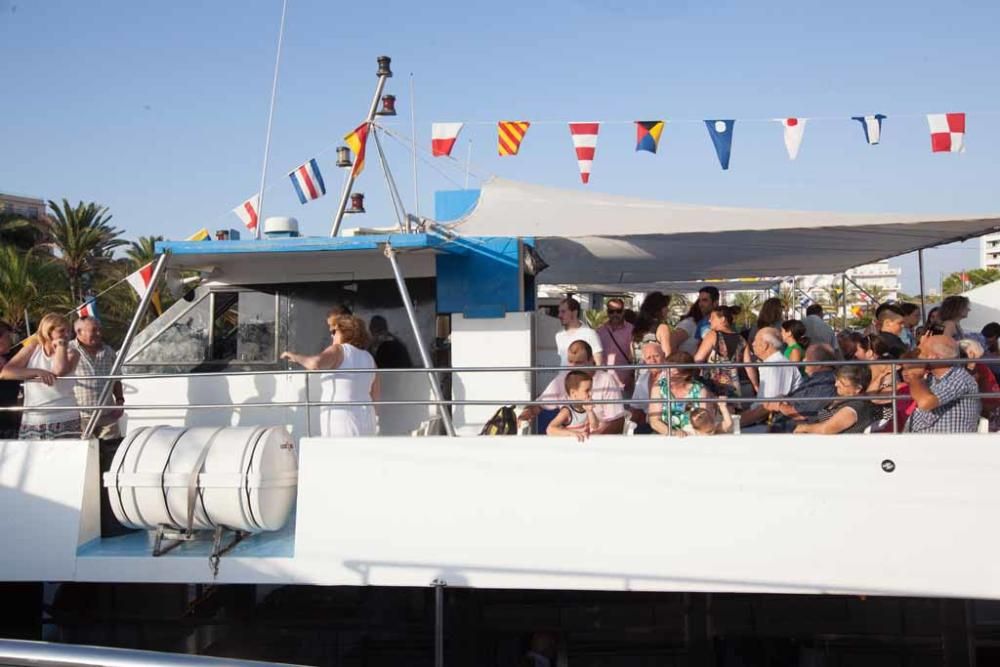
{"points": [[595, 238]]}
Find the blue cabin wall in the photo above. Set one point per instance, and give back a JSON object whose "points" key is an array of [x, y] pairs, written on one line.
{"points": [[486, 280]]}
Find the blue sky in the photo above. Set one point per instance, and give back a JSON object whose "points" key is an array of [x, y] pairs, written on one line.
{"points": [[158, 110]]}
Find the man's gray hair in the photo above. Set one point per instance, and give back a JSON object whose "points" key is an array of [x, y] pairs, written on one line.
{"points": [[943, 347], [770, 336], [971, 347], [83, 321]]}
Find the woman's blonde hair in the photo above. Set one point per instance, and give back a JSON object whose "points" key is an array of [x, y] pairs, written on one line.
{"points": [[352, 329], [48, 324]]}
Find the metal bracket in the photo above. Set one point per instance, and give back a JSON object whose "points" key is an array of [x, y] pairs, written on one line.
{"points": [[176, 537], [219, 549], [173, 536]]}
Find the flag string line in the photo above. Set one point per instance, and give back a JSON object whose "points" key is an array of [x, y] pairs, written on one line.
{"points": [[451, 161], [672, 121]]}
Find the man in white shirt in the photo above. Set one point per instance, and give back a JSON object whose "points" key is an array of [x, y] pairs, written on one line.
{"points": [[817, 329], [574, 329], [775, 381], [606, 387]]}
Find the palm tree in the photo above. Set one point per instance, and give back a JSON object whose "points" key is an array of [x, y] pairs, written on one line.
{"points": [[788, 299], [27, 282], [749, 303], [18, 231], [142, 251], [84, 241]]}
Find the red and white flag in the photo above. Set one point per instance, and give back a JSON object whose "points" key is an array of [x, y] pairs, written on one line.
{"points": [[585, 142], [794, 129], [443, 138], [947, 132], [140, 280], [247, 212]]}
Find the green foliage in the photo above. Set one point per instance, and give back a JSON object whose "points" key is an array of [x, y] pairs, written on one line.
{"points": [[749, 303], [84, 241], [30, 282], [595, 317], [953, 284]]}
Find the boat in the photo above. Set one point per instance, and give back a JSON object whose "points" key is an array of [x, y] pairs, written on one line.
{"points": [[623, 546]]}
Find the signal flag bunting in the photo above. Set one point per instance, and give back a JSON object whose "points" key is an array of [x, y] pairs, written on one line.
{"points": [[585, 143]]}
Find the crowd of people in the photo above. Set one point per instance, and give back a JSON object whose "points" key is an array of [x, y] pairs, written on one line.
{"points": [[798, 383], [59, 368]]}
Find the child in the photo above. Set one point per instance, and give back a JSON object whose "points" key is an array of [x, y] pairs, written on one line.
{"points": [[575, 420], [702, 422]]}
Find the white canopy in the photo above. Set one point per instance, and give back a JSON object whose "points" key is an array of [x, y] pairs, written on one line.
{"points": [[608, 239]]}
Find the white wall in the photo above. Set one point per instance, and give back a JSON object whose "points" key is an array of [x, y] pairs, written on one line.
{"points": [[985, 306], [781, 514]]}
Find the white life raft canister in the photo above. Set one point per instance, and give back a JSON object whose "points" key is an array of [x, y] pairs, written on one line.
{"points": [[240, 478]]}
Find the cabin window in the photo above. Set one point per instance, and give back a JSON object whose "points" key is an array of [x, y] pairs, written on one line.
{"points": [[215, 329]]}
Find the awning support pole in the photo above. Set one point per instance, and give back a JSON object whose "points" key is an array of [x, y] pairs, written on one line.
{"points": [[432, 377], [438, 585], [920, 270], [345, 195], [133, 328], [390, 182], [843, 295]]}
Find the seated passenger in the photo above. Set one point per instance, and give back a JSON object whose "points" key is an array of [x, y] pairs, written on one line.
{"points": [[985, 380], [646, 379], [819, 387], [702, 422], [876, 347], [605, 387], [845, 414], [576, 420], [672, 417], [774, 381], [944, 394]]}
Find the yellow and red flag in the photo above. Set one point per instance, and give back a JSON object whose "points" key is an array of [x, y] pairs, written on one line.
{"points": [[356, 141], [510, 134]]}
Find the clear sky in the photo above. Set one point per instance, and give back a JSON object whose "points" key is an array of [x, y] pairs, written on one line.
{"points": [[158, 110]]}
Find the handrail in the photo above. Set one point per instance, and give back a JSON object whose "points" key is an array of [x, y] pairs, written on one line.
{"points": [[19, 652], [988, 361]]}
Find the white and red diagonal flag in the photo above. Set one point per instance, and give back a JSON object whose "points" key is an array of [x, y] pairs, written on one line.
{"points": [[585, 142], [794, 129], [140, 279], [443, 138], [247, 212], [947, 132]]}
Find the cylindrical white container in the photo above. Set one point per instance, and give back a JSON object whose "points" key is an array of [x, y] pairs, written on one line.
{"points": [[241, 478]]}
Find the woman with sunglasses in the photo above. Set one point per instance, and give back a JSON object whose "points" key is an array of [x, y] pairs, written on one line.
{"points": [[348, 350], [845, 414]]}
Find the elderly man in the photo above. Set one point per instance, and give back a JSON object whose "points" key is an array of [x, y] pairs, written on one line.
{"points": [[616, 340], [606, 387], [96, 358], [652, 355], [574, 329], [775, 381], [819, 387], [944, 393]]}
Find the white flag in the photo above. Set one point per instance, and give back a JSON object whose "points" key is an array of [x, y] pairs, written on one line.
{"points": [[794, 128]]}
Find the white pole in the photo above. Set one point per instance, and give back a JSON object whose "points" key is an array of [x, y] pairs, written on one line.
{"points": [[413, 133], [270, 118]]}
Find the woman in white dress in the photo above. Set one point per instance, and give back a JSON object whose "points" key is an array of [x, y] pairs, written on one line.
{"points": [[350, 338], [39, 363]]}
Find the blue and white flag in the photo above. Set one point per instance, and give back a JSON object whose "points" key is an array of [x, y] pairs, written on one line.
{"points": [[88, 309], [308, 181], [872, 126], [721, 132], [805, 301]]}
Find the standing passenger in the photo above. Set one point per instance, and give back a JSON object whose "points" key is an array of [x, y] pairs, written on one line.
{"points": [[616, 339], [44, 360], [574, 330], [347, 351]]}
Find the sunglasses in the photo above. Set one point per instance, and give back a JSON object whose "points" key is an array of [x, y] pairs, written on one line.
{"points": [[615, 311]]}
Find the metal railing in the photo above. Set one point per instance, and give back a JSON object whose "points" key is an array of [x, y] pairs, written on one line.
{"points": [[18, 652], [892, 397]]}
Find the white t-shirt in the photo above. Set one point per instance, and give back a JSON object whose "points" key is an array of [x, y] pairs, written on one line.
{"points": [[777, 381], [566, 337], [690, 344]]}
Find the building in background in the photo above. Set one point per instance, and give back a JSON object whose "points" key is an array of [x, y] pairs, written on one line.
{"points": [[30, 208], [879, 279], [989, 251]]}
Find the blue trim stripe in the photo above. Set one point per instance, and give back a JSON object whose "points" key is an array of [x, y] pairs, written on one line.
{"points": [[314, 166], [298, 188]]}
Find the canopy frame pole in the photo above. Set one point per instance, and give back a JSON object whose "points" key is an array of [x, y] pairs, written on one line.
{"points": [[863, 290], [432, 377], [438, 585], [920, 271], [390, 182], [843, 296], [133, 328], [346, 193]]}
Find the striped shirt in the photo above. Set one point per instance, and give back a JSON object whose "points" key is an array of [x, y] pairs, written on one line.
{"points": [[88, 392]]}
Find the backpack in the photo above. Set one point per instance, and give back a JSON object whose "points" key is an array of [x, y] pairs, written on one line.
{"points": [[503, 422]]}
